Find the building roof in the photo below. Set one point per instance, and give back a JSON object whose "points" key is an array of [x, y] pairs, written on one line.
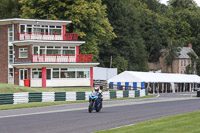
{"points": [[133, 76], [49, 42], [184, 52], [54, 65], [33, 21]]}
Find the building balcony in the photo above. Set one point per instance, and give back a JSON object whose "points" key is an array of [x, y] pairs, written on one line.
{"points": [[62, 58], [47, 36]]}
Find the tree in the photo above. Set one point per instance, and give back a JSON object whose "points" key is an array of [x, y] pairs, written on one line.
{"points": [[171, 53], [183, 4], [89, 19], [198, 67], [9, 9], [125, 17], [191, 68]]}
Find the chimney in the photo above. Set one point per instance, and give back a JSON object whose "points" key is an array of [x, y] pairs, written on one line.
{"points": [[190, 45]]}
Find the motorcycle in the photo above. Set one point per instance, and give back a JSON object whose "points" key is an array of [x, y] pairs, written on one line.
{"points": [[95, 102]]}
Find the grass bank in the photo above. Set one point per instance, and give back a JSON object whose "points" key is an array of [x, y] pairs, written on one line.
{"points": [[7, 88], [184, 123]]}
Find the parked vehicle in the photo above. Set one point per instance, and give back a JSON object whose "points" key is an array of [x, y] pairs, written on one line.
{"points": [[95, 102]]}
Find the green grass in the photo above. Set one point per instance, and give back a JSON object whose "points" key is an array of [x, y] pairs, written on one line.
{"points": [[184, 123], [7, 88]]}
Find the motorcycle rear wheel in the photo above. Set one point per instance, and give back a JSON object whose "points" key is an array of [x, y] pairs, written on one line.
{"points": [[98, 109]]}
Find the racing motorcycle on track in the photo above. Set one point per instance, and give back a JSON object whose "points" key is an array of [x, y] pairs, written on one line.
{"points": [[95, 102]]}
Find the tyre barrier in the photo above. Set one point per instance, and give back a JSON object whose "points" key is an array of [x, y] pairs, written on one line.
{"points": [[26, 97]]}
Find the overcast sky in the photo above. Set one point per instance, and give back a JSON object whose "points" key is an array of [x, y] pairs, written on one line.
{"points": [[165, 2]]}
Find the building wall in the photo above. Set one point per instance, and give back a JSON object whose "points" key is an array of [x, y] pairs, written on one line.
{"points": [[61, 82], [100, 73], [154, 66], [182, 66], [167, 68], [177, 66], [16, 31], [28, 59], [4, 53]]}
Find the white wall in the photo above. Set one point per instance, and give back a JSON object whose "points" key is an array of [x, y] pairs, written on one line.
{"points": [[36, 82], [100, 73], [70, 82], [61, 82]]}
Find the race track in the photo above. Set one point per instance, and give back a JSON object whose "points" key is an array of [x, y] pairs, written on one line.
{"points": [[76, 119]]}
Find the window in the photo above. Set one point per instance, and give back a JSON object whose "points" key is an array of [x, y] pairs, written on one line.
{"points": [[23, 53], [184, 62], [53, 51], [67, 74], [181, 62], [11, 55], [36, 73], [189, 61], [11, 76], [35, 50], [72, 48], [83, 74], [22, 28], [55, 72], [10, 34], [71, 73], [63, 73], [68, 52], [42, 51]]}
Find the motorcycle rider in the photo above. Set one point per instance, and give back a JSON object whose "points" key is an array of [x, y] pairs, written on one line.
{"points": [[99, 93]]}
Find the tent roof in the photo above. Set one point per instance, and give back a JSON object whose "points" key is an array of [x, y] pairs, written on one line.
{"points": [[133, 76]]}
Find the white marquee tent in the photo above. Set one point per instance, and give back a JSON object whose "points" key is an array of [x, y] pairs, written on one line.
{"points": [[137, 79], [132, 76]]}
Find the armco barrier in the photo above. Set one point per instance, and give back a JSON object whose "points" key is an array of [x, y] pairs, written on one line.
{"points": [[20, 97], [35, 97], [6, 99], [60, 96], [137, 93], [26, 97], [113, 94], [125, 93]]}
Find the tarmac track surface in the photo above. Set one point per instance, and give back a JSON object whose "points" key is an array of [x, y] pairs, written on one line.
{"points": [[75, 118]]}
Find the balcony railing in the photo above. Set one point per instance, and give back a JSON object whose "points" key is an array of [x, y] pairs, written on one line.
{"points": [[47, 36], [62, 58]]}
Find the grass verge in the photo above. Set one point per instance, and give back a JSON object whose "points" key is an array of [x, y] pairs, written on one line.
{"points": [[8, 88], [41, 104], [184, 123]]}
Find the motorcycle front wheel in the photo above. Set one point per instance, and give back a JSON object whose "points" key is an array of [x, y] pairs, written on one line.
{"points": [[90, 108]]}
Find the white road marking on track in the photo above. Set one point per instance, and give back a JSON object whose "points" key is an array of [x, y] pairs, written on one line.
{"points": [[105, 106]]}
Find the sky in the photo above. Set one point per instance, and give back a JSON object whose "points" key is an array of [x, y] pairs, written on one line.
{"points": [[165, 2]]}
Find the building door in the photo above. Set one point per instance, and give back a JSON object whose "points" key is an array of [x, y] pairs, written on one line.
{"points": [[23, 74], [48, 76]]}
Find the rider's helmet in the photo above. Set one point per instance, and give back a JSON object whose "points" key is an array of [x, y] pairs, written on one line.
{"points": [[96, 89]]}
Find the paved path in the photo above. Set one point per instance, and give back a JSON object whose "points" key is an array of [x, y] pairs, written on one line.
{"points": [[75, 117]]}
